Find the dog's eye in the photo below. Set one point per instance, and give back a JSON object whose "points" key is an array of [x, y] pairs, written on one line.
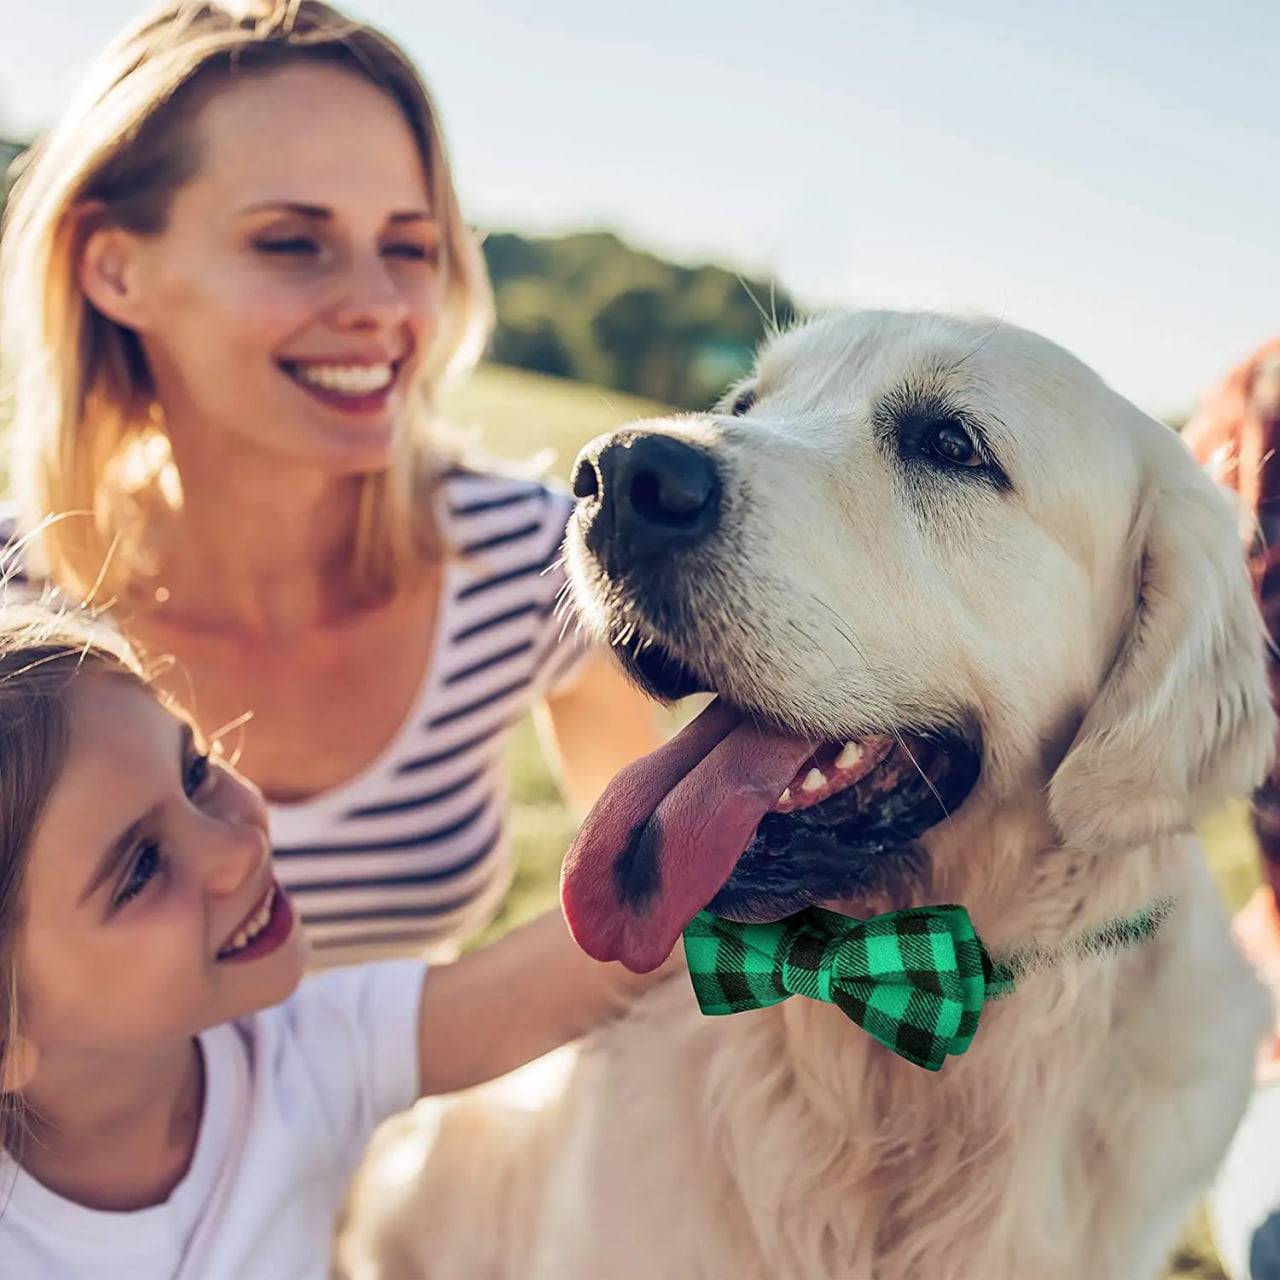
{"points": [[949, 441], [743, 402]]}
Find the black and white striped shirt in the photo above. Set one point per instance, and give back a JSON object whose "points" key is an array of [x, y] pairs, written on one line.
{"points": [[414, 852], [415, 849]]}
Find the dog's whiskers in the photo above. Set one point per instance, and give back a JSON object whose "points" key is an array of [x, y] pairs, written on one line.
{"points": [[924, 776]]}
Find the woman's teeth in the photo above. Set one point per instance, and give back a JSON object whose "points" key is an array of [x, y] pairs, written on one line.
{"points": [[253, 926], [349, 379]]}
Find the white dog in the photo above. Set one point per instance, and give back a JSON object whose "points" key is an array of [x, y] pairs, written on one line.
{"points": [[991, 629]]}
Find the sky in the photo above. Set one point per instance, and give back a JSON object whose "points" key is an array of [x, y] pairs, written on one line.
{"points": [[1104, 171]]}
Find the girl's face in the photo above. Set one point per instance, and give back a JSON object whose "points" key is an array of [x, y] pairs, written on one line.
{"points": [[151, 912], [293, 291]]}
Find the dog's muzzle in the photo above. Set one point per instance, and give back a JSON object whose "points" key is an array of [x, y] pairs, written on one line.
{"points": [[644, 497]]}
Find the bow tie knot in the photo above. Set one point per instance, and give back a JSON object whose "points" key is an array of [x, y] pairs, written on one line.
{"points": [[916, 980]]}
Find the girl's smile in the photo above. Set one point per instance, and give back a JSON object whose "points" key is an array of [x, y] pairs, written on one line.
{"points": [[267, 928]]}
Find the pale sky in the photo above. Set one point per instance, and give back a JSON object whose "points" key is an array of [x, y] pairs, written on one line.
{"points": [[1103, 171]]}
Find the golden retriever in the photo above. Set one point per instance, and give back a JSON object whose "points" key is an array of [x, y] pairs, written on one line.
{"points": [[946, 542]]}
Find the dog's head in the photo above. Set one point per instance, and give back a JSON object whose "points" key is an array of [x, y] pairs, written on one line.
{"points": [[910, 553]]}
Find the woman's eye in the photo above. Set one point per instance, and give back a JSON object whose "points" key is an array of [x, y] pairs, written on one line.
{"points": [[952, 443], [414, 252], [297, 245], [146, 864], [196, 774]]}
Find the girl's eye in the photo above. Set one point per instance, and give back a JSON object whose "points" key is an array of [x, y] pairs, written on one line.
{"points": [[146, 864], [295, 245], [196, 774]]}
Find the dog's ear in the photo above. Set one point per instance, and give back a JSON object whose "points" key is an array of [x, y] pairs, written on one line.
{"points": [[1183, 719]]}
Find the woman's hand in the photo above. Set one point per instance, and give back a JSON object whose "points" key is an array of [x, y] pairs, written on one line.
{"points": [[520, 997]]}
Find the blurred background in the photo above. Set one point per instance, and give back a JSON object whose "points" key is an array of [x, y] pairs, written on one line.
{"points": [[1107, 173], [657, 186]]}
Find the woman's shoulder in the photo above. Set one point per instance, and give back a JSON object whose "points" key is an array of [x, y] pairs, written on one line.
{"points": [[479, 504]]}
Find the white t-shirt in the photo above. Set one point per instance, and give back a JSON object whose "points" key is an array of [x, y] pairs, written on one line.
{"points": [[292, 1095]]}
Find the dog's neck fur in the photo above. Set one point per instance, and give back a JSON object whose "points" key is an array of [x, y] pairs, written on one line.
{"points": [[883, 1189]]}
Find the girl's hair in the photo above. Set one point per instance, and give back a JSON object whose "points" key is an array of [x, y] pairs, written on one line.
{"points": [[41, 652], [87, 435]]}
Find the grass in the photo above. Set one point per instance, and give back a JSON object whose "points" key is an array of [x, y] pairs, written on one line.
{"points": [[518, 415]]}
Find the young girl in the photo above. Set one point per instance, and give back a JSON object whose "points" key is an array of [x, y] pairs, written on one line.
{"points": [[234, 276], [178, 1103]]}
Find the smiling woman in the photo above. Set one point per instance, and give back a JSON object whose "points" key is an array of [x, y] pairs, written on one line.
{"points": [[235, 277]]}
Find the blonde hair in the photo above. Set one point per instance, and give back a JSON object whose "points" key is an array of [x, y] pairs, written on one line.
{"points": [[41, 653], [86, 435]]}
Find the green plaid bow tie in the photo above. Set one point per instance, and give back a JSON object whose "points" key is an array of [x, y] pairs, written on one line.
{"points": [[916, 980]]}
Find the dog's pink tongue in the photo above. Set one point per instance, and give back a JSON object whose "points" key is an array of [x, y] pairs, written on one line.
{"points": [[667, 832]]}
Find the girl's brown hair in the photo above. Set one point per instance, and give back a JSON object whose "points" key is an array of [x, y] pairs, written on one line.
{"points": [[41, 653], [87, 435]]}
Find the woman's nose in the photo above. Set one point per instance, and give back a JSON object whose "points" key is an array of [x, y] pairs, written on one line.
{"points": [[371, 297]]}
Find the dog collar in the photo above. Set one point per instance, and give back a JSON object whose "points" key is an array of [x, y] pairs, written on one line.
{"points": [[916, 980]]}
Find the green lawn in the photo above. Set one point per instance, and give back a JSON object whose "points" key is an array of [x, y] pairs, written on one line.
{"points": [[520, 414]]}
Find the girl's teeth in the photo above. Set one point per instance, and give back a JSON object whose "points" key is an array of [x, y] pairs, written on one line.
{"points": [[352, 379], [254, 927]]}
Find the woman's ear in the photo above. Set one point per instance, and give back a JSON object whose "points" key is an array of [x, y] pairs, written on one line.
{"points": [[109, 272]]}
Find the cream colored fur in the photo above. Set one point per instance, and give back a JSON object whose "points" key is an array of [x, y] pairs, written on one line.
{"points": [[1094, 624]]}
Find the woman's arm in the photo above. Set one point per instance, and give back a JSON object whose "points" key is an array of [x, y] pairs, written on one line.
{"points": [[595, 727], [510, 1002]]}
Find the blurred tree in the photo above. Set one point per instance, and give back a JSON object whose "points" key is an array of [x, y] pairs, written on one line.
{"points": [[10, 150], [592, 308]]}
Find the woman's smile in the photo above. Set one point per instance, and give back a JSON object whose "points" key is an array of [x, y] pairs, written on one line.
{"points": [[354, 387]]}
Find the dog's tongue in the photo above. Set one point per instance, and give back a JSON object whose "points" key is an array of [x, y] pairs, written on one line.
{"points": [[666, 834]]}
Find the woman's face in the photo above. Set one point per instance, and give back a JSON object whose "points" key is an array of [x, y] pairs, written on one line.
{"points": [[293, 291]]}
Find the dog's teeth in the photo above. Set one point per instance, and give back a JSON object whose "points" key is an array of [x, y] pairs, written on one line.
{"points": [[814, 780], [785, 797], [849, 756]]}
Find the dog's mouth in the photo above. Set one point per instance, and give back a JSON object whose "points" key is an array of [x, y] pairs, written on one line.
{"points": [[748, 819]]}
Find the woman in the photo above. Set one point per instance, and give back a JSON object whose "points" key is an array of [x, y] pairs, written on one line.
{"points": [[234, 278], [1236, 434]]}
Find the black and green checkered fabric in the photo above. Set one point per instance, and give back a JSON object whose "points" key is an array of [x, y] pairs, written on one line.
{"points": [[916, 980]]}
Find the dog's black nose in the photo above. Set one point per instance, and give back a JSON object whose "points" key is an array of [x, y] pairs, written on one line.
{"points": [[654, 494]]}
